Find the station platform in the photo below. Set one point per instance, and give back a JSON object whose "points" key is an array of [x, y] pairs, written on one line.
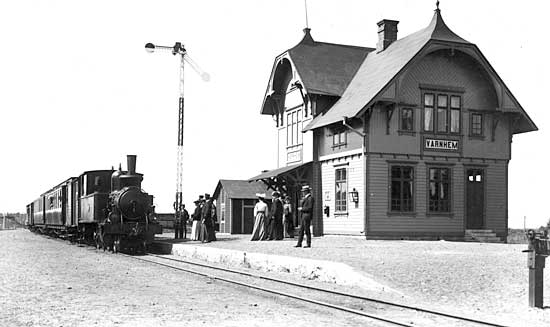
{"points": [[458, 277], [238, 251]]}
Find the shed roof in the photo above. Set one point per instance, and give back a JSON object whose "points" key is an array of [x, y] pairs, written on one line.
{"points": [[241, 189]]}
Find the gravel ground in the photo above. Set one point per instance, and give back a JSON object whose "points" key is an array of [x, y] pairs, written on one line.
{"points": [[480, 280], [49, 282]]}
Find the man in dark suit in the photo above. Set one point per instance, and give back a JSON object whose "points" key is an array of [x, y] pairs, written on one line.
{"points": [[306, 209], [276, 224]]}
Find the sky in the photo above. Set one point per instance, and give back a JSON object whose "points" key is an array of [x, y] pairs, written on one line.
{"points": [[79, 92]]}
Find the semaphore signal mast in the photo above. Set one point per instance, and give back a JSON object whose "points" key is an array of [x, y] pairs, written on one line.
{"points": [[179, 49]]}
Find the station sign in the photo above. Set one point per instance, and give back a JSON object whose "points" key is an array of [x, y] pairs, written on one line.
{"points": [[445, 145], [294, 156]]}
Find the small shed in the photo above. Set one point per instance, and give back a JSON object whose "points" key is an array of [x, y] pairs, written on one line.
{"points": [[235, 204]]}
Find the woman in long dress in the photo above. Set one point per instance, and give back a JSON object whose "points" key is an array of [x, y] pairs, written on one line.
{"points": [[196, 228], [261, 212]]}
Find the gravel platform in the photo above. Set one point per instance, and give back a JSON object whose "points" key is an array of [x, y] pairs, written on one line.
{"points": [[49, 282]]}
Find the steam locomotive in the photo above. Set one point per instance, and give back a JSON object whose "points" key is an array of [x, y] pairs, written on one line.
{"points": [[107, 208]]}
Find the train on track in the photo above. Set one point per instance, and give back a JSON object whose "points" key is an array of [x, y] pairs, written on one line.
{"points": [[107, 208]]}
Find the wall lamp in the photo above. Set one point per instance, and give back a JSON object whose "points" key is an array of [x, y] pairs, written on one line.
{"points": [[354, 195]]}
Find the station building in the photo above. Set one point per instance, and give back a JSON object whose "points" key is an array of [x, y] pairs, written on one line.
{"points": [[411, 139]]}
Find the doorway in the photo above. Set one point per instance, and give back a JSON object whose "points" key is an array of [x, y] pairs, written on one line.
{"points": [[475, 199]]}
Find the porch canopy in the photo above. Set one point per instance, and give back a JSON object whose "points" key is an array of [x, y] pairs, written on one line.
{"points": [[286, 179]]}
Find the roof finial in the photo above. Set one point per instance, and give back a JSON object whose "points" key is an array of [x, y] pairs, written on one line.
{"points": [[437, 5], [305, 4]]}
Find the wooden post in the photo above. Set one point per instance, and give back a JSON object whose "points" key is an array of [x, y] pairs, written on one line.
{"points": [[536, 281]]}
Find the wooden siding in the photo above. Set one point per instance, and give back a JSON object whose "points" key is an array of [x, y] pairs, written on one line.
{"points": [[354, 141], [496, 215], [352, 221], [419, 221]]}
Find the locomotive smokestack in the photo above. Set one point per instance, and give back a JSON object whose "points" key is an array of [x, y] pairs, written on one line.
{"points": [[131, 164]]}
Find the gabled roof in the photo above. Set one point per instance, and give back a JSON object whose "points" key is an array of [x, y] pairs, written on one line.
{"points": [[324, 68], [241, 189], [379, 68]]}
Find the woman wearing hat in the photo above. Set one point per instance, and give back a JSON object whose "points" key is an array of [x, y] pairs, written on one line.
{"points": [[261, 212], [196, 227]]}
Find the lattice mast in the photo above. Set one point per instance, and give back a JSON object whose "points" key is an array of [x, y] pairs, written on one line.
{"points": [[178, 48]]}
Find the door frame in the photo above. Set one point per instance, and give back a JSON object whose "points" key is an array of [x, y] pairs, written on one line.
{"points": [[483, 169]]}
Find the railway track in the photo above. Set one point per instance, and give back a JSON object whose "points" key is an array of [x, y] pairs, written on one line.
{"points": [[394, 314]]}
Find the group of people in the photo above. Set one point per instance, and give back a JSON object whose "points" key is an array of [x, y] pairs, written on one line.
{"points": [[204, 219], [277, 223]]}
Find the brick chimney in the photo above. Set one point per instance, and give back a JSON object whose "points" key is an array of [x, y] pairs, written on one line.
{"points": [[387, 33]]}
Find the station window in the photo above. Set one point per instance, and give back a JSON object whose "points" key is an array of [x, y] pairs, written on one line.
{"points": [[341, 185], [476, 124], [402, 188], [447, 116], [407, 119], [439, 188], [294, 128], [339, 138]]}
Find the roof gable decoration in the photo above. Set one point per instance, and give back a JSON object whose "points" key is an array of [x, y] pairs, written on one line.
{"points": [[376, 78], [283, 77], [317, 68]]}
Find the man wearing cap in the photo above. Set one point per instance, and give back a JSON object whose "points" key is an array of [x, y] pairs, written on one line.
{"points": [[276, 224], [306, 209]]}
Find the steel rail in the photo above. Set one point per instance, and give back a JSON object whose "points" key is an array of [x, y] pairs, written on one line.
{"points": [[272, 291], [354, 296]]}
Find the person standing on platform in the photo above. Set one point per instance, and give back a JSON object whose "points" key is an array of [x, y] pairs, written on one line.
{"points": [[287, 218], [195, 229], [276, 230], [208, 233], [261, 211], [177, 226], [306, 211], [184, 219]]}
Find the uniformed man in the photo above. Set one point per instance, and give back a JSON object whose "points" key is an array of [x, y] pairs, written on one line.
{"points": [[306, 212], [276, 224], [184, 219], [177, 223], [209, 233]]}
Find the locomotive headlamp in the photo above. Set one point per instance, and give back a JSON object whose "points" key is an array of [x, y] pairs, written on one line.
{"points": [[354, 195]]}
